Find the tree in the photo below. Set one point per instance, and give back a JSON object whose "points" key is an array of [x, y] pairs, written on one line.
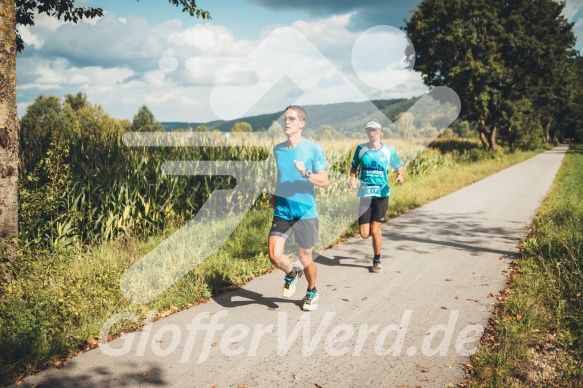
{"points": [[447, 133], [572, 122], [77, 101], [405, 125], [326, 132], [21, 12], [201, 128], [491, 53], [42, 119], [242, 126], [144, 121], [274, 130]]}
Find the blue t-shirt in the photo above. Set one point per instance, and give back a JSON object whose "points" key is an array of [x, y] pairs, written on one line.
{"points": [[295, 194], [374, 166]]}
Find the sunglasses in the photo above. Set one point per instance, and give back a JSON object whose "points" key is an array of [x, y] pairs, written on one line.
{"points": [[290, 119]]}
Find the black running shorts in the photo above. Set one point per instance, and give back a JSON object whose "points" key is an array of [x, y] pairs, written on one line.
{"points": [[373, 210], [305, 231]]}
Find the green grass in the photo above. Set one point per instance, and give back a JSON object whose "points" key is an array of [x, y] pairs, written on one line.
{"points": [[61, 298], [540, 318]]}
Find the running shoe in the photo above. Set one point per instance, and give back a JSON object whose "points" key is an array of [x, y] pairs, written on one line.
{"points": [[376, 266], [310, 301], [289, 287]]}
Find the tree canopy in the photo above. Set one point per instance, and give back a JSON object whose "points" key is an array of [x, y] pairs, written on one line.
{"points": [[144, 121], [502, 58], [242, 126]]}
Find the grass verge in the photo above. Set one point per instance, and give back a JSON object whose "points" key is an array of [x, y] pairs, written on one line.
{"points": [[536, 336]]}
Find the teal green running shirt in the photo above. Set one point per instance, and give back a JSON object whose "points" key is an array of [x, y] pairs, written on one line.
{"points": [[295, 194], [373, 168]]}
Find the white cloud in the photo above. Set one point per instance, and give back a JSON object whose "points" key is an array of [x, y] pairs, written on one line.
{"points": [[116, 63], [44, 25]]}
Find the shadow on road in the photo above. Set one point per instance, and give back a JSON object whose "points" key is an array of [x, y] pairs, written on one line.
{"points": [[103, 377], [242, 297], [459, 231]]}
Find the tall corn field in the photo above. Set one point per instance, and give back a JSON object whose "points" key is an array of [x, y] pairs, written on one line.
{"points": [[90, 187]]}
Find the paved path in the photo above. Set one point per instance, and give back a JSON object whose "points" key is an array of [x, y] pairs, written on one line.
{"points": [[414, 324]]}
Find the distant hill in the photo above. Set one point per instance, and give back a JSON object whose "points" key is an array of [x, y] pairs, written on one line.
{"points": [[345, 117]]}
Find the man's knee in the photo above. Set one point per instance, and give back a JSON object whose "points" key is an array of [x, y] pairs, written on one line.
{"points": [[273, 259], [364, 232], [306, 261], [376, 233], [305, 257]]}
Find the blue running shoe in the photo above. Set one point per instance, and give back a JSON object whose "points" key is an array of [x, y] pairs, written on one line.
{"points": [[310, 301], [289, 287]]}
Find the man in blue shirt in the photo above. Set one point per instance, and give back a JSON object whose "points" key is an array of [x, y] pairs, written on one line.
{"points": [[300, 167], [372, 160]]}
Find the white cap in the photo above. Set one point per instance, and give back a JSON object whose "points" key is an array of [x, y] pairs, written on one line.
{"points": [[373, 124]]}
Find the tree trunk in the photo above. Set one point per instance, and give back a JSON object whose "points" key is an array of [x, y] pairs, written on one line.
{"points": [[8, 132], [492, 139], [552, 132], [488, 137], [547, 130], [482, 133]]}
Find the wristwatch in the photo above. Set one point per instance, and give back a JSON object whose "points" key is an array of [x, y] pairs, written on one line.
{"points": [[308, 174]]}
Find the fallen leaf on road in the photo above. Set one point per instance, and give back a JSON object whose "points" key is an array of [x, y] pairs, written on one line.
{"points": [[297, 376], [146, 374], [473, 300], [426, 370], [318, 386], [457, 296], [365, 298], [490, 295], [443, 308], [448, 280], [92, 342], [346, 300]]}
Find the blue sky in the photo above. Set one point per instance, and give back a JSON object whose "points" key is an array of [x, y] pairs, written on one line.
{"points": [[147, 51]]}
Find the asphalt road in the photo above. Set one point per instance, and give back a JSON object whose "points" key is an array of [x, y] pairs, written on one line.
{"points": [[414, 324]]}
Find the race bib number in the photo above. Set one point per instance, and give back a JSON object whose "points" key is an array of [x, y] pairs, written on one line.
{"points": [[372, 191]]}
